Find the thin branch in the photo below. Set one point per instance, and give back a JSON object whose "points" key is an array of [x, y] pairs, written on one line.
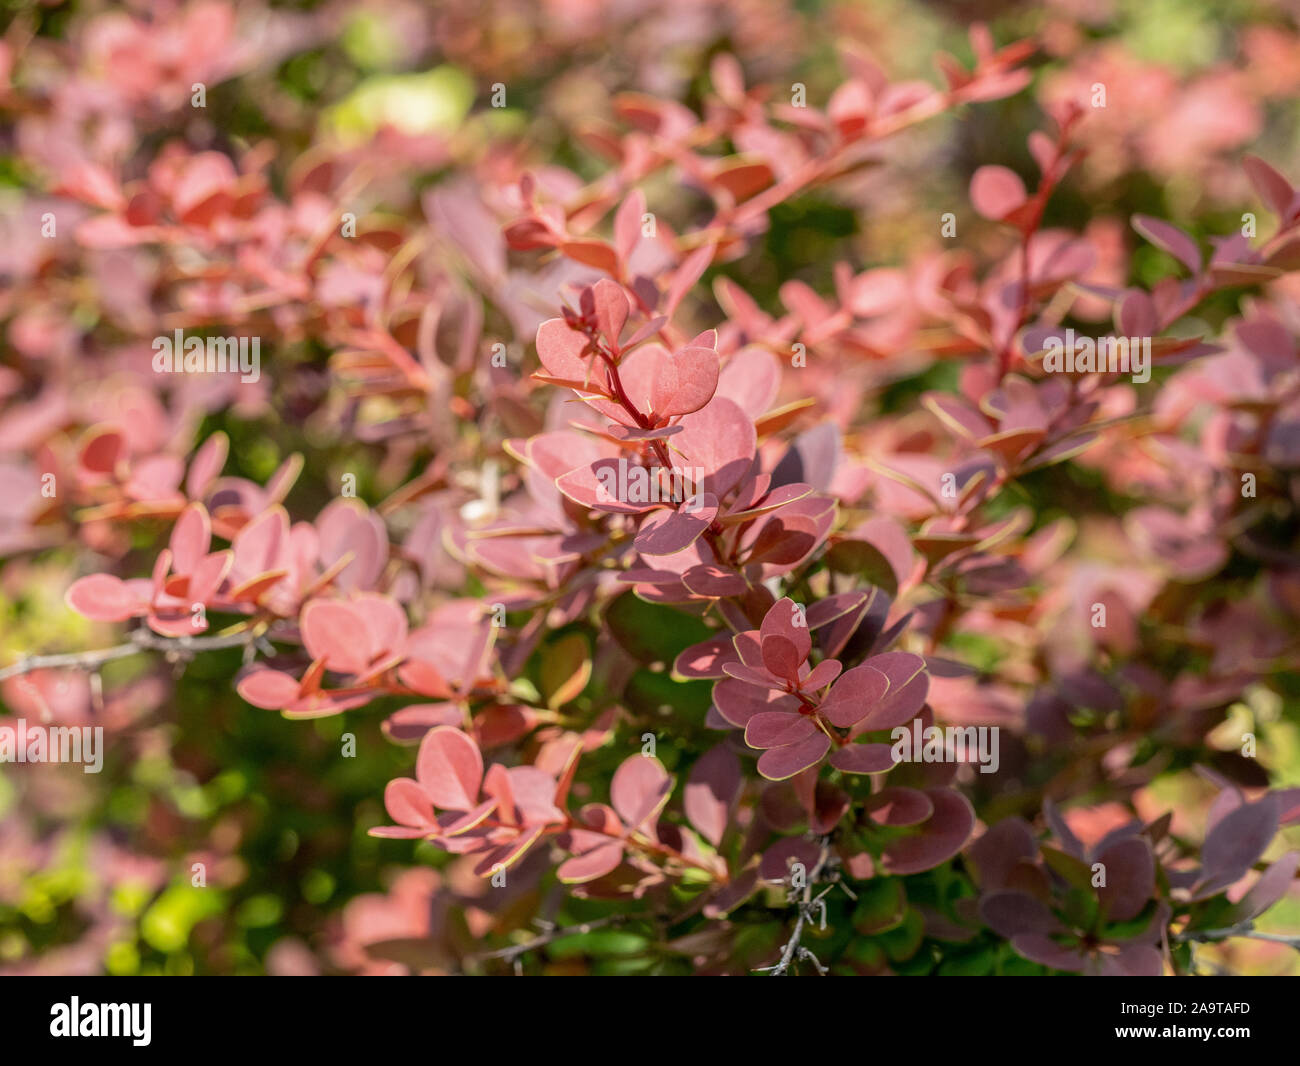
{"points": [[513, 952], [807, 907], [141, 640], [1245, 929]]}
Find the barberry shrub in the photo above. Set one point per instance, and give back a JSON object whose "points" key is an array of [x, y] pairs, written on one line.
{"points": [[728, 608]]}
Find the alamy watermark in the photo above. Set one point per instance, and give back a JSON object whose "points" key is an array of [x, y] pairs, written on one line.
{"points": [[964, 744], [102, 1019], [625, 482], [1106, 355], [179, 354], [24, 743]]}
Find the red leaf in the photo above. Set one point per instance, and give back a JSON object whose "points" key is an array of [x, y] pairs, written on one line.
{"points": [[711, 789], [738, 702], [784, 620], [899, 806], [1240, 838], [101, 450], [777, 729], [942, 836], [908, 685], [864, 759], [1130, 879], [667, 532], [855, 695], [1273, 884], [781, 763], [781, 657], [596, 254]]}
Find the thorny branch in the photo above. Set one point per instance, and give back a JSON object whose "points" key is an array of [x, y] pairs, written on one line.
{"points": [[141, 640], [1244, 929], [513, 952], [808, 907]]}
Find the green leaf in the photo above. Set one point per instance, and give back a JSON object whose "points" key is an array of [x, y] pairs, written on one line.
{"points": [[901, 942], [1075, 871], [658, 695], [979, 963], [865, 562], [167, 924], [597, 944], [881, 906], [565, 670], [652, 632]]}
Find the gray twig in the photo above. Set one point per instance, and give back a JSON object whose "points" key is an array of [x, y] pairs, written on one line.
{"points": [[141, 640]]}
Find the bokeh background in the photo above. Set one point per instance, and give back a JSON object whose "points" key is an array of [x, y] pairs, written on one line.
{"points": [[96, 870]]}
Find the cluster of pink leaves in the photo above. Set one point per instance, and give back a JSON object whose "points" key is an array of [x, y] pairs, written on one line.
{"points": [[664, 400]]}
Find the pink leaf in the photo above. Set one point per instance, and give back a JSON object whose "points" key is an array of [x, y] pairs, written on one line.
{"points": [[103, 598], [1170, 239], [591, 864], [407, 803], [627, 224], [639, 790], [667, 532], [719, 439], [996, 191], [450, 769], [385, 623], [683, 382], [332, 631], [1272, 187], [691, 270], [272, 690], [561, 350], [190, 538], [206, 465], [611, 309]]}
